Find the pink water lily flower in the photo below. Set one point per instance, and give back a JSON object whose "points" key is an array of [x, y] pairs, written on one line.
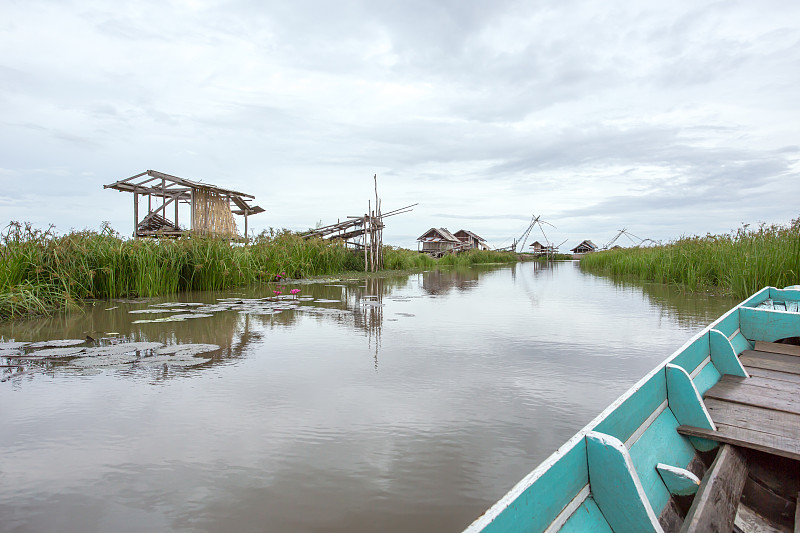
{"points": [[295, 291], [276, 292]]}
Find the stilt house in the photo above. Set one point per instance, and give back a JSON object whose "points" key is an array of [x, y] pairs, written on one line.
{"points": [[471, 240], [438, 241], [211, 209], [540, 249], [584, 247]]}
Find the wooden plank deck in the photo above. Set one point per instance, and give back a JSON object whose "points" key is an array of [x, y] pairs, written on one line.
{"points": [[761, 412]]}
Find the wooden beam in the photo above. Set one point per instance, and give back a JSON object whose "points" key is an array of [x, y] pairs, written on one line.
{"points": [[777, 399], [775, 347], [714, 506], [771, 361], [747, 438]]}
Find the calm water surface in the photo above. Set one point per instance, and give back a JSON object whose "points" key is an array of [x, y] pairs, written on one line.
{"points": [[390, 404]]}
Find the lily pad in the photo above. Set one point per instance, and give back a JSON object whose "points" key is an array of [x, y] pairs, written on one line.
{"points": [[54, 353], [11, 345], [104, 360], [186, 350], [57, 343], [178, 304], [173, 318], [147, 311], [172, 360], [122, 348], [260, 312], [211, 309]]}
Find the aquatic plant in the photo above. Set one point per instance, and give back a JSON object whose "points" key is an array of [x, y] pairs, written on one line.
{"points": [[41, 272], [738, 263]]}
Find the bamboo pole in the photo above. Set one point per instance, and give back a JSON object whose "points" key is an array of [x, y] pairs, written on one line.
{"points": [[163, 198], [135, 213]]}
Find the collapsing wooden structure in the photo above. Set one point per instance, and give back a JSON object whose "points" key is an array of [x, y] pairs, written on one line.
{"points": [[361, 232], [472, 241], [211, 210]]}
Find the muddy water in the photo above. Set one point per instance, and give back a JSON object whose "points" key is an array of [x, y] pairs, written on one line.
{"points": [[390, 404]]}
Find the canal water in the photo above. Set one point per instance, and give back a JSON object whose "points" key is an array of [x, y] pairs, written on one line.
{"points": [[398, 403]]}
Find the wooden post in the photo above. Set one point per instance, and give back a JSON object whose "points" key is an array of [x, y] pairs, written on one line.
{"points": [[135, 213], [176, 212], [365, 243], [246, 239], [191, 205], [163, 198]]}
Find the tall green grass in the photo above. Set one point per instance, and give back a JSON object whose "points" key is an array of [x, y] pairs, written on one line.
{"points": [[41, 271], [738, 263], [404, 259]]}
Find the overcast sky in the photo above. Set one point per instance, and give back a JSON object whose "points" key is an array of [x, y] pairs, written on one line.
{"points": [[669, 118]]}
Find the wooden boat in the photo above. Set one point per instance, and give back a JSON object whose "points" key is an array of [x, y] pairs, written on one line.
{"points": [[707, 441]]}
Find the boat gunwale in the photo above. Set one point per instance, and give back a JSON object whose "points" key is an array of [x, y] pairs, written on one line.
{"points": [[526, 482]]}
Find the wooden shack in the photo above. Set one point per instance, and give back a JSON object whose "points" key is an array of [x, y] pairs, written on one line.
{"points": [[471, 240], [585, 247], [538, 249], [438, 241], [212, 208]]}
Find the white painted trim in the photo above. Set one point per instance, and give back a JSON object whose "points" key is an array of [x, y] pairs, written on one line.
{"points": [[568, 510], [700, 367], [646, 424], [738, 330]]}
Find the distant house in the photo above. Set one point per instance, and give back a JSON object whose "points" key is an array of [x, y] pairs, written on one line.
{"points": [[538, 248], [471, 240], [437, 241], [585, 247]]}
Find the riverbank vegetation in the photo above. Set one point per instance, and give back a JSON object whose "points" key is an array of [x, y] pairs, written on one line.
{"points": [[739, 263], [41, 272]]}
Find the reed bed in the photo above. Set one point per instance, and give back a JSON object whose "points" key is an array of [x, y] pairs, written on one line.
{"points": [[41, 272], [738, 263]]}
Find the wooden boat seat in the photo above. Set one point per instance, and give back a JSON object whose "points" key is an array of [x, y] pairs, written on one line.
{"points": [[714, 506]]}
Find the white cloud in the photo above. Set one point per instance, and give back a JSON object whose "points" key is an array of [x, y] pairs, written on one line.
{"points": [[666, 119]]}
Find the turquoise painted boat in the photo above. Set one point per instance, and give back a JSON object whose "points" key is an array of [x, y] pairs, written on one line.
{"points": [[707, 441]]}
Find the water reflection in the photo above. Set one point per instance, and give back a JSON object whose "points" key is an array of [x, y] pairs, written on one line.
{"points": [[390, 403]]}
